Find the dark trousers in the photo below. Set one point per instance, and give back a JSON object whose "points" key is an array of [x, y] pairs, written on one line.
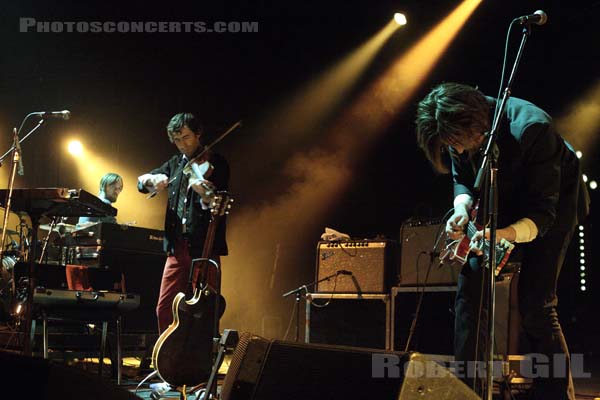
{"points": [[175, 279], [541, 263]]}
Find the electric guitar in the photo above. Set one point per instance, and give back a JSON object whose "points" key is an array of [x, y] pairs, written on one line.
{"points": [[456, 251]]}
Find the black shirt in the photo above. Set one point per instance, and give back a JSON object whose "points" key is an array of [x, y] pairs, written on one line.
{"points": [[538, 171]]}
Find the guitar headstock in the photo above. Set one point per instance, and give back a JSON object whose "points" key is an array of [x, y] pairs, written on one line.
{"points": [[221, 204]]}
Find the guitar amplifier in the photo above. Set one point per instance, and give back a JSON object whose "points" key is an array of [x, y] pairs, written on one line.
{"points": [[419, 262], [366, 265]]}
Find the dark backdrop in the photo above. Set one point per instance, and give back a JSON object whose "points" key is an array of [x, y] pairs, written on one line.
{"points": [[123, 88]]}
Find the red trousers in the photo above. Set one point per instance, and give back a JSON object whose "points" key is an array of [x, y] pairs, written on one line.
{"points": [[175, 279]]}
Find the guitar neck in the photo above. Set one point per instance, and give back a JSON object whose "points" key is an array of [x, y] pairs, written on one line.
{"points": [[207, 249]]}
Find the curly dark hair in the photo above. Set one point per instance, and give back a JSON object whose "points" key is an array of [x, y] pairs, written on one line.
{"points": [[447, 112], [178, 121]]}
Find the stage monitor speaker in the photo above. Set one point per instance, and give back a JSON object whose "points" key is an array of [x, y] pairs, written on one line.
{"points": [[370, 263], [419, 263], [36, 378], [264, 369]]}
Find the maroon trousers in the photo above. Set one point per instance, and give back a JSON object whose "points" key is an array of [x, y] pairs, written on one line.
{"points": [[175, 280]]}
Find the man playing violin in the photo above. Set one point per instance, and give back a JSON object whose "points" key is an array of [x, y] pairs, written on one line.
{"points": [[541, 199], [188, 215]]}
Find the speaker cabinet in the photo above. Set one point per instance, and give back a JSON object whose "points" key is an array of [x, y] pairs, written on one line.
{"points": [[367, 265], [434, 331], [268, 370], [419, 264], [507, 324], [348, 320]]}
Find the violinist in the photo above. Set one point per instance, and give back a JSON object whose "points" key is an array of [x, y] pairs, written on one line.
{"points": [[188, 215]]}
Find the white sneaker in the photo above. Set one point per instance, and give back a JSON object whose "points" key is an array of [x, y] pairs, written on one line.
{"points": [[159, 389]]}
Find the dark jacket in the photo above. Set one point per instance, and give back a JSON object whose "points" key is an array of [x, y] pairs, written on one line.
{"points": [[199, 219], [539, 175]]}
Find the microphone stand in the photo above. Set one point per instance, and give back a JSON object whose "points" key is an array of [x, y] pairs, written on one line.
{"points": [[17, 159], [489, 166], [16, 149], [24, 137], [298, 292]]}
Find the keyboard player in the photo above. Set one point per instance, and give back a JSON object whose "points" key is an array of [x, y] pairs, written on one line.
{"points": [[111, 185]]}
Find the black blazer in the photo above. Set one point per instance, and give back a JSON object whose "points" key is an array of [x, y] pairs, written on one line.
{"points": [[197, 224]]}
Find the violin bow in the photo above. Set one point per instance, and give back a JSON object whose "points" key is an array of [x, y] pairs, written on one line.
{"points": [[206, 149]]}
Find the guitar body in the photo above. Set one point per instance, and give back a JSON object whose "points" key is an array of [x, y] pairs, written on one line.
{"points": [[183, 353], [457, 251]]}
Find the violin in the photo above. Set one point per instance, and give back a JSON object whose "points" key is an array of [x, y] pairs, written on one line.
{"points": [[197, 167], [202, 172], [200, 168]]}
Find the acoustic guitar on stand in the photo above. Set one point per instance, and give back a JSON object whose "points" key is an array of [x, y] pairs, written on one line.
{"points": [[183, 354]]}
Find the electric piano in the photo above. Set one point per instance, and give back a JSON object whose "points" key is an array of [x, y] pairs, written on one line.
{"points": [[57, 202]]}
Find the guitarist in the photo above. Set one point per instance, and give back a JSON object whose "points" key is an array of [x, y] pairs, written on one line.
{"points": [[187, 216], [541, 200]]}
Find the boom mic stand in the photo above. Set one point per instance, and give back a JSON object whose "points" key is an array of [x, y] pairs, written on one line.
{"points": [[16, 150], [298, 292], [489, 167], [18, 163]]}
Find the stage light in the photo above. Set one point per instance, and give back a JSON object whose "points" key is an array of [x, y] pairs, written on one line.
{"points": [[582, 281], [582, 288], [579, 154], [582, 274], [582, 248], [581, 227], [400, 19], [585, 178], [593, 185], [580, 121], [75, 148], [582, 268]]}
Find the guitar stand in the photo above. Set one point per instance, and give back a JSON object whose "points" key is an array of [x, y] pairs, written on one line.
{"points": [[504, 385], [229, 340]]}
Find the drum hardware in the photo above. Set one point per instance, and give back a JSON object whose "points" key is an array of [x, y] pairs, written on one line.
{"points": [[59, 227]]}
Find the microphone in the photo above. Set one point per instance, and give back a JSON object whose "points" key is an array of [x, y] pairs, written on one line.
{"points": [[344, 272], [64, 114], [539, 18]]}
